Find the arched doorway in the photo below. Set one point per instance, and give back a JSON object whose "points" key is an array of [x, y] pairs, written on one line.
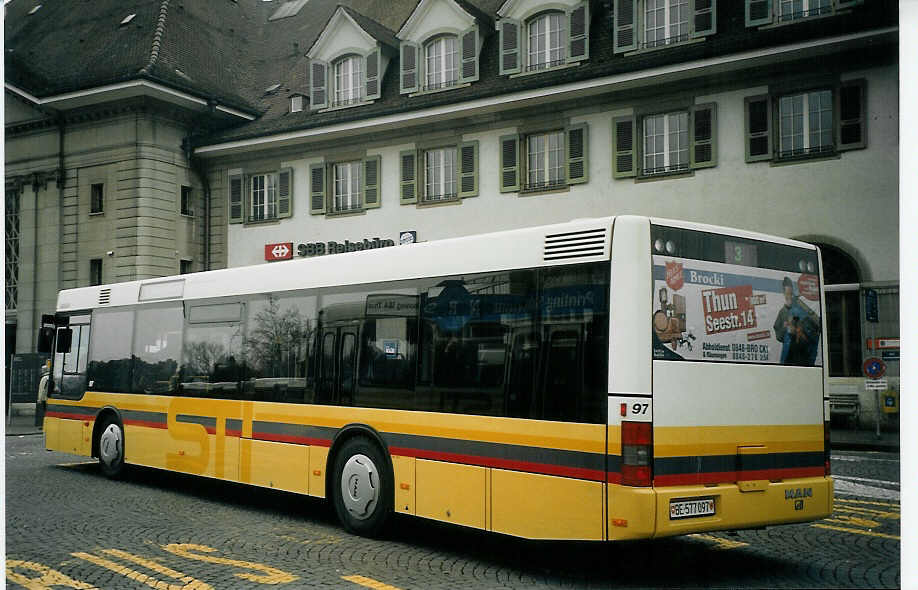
{"points": [[843, 312]]}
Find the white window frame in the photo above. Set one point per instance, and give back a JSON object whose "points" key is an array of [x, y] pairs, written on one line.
{"points": [[667, 11], [540, 171], [262, 197], [808, 124], [546, 56], [441, 65], [674, 125], [348, 80], [441, 182], [345, 186]]}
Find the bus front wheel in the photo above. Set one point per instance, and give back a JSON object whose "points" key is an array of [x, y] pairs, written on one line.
{"points": [[362, 489], [111, 448]]}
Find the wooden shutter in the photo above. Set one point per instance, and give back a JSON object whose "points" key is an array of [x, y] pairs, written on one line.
{"points": [[318, 85], [851, 128], [509, 46], [704, 136], [370, 180], [758, 12], [624, 155], [468, 169], [409, 68], [509, 163], [469, 68], [624, 31], [758, 128], [578, 21], [409, 176], [236, 201], [704, 15], [578, 141], [285, 193], [317, 188], [371, 71]]}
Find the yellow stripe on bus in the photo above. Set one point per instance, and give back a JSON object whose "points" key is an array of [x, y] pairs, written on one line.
{"points": [[670, 441]]}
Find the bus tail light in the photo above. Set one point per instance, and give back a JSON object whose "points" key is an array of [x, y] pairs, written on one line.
{"points": [[827, 452], [637, 452]]}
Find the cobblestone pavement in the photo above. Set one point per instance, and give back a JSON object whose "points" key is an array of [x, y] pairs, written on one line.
{"points": [[68, 526]]}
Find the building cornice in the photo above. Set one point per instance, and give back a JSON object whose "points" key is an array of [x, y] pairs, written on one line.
{"points": [[685, 70]]}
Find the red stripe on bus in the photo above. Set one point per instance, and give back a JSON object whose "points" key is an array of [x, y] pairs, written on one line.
{"points": [[236, 433], [289, 438], [68, 416], [542, 468], [732, 476]]}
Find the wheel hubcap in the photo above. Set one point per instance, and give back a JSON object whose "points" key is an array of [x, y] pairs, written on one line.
{"points": [[360, 486], [110, 444]]}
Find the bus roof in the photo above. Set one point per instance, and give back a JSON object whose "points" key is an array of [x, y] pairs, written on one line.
{"points": [[580, 240]]}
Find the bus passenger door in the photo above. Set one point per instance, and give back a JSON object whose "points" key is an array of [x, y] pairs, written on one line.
{"points": [[337, 370], [347, 365]]}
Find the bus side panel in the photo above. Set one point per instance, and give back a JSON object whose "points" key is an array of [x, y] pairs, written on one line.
{"points": [[279, 465], [538, 506], [451, 492], [69, 436], [318, 465]]}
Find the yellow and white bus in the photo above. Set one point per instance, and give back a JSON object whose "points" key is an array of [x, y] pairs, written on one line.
{"points": [[508, 381]]}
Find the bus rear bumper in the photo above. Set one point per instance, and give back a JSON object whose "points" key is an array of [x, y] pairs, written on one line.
{"points": [[680, 510]]}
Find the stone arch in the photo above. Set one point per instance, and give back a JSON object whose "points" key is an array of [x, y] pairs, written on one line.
{"points": [[841, 262]]}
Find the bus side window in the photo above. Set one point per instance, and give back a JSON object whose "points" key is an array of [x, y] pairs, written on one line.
{"points": [[69, 379], [110, 362], [523, 377], [563, 370]]}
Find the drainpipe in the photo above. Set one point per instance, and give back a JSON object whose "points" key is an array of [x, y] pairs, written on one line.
{"points": [[198, 166]]}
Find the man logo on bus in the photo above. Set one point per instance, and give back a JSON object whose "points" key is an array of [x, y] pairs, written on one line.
{"points": [[674, 275]]}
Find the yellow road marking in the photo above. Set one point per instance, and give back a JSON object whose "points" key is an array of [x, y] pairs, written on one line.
{"points": [[49, 577], [271, 575], [869, 502], [368, 583], [150, 565], [853, 520], [141, 577], [856, 531], [868, 512], [722, 544]]}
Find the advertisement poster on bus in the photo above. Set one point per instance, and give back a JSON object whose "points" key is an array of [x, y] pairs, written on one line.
{"points": [[708, 311]]}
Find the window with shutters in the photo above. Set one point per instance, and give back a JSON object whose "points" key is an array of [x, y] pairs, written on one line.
{"points": [[346, 187], [777, 12], [440, 175], [801, 125], [652, 24], [262, 197], [348, 81], [675, 141], [441, 62], [545, 41], [544, 160], [534, 38]]}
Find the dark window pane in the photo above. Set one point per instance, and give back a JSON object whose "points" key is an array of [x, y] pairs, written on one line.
{"points": [[110, 363], [157, 349]]}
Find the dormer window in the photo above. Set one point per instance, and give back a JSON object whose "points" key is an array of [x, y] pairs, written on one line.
{"points": [[534, 39], [650, 24], [441, 62], [666, 21], [767, 12], [546, 41], [348, 81]]}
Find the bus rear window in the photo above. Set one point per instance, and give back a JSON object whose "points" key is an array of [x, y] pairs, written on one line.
{"points": [[723, 298]]}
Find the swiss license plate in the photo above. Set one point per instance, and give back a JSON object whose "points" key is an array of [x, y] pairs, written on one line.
{"points": [[691, 508]]}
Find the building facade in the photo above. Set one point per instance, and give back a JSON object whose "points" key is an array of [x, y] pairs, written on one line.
{"points": [[442, 118]]}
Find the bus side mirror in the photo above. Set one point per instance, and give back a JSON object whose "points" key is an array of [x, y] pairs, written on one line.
{"points": [[64, 339], [45, 339]]}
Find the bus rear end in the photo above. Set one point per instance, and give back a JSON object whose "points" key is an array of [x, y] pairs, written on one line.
{"points": [[734, 434]]}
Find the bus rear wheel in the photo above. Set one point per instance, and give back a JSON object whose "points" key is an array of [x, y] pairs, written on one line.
{"points": [[111, 448], [362, 487]]}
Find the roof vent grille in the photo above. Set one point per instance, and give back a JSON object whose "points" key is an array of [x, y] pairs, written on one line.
{"points": [[575, 244], [105, 296]]}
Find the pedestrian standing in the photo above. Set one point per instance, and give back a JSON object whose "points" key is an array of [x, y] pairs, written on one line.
{"points": [[42, 402]]}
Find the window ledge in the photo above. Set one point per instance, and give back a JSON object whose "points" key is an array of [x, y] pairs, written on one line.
{"points": [[561, 188], [543, 70], [345, 106], [789, 160], [96, 213], [664, 175], [802, 19], [187, 215], [439, 202], [348, 213], [261, 221], [646, 50], [438, 90]]}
